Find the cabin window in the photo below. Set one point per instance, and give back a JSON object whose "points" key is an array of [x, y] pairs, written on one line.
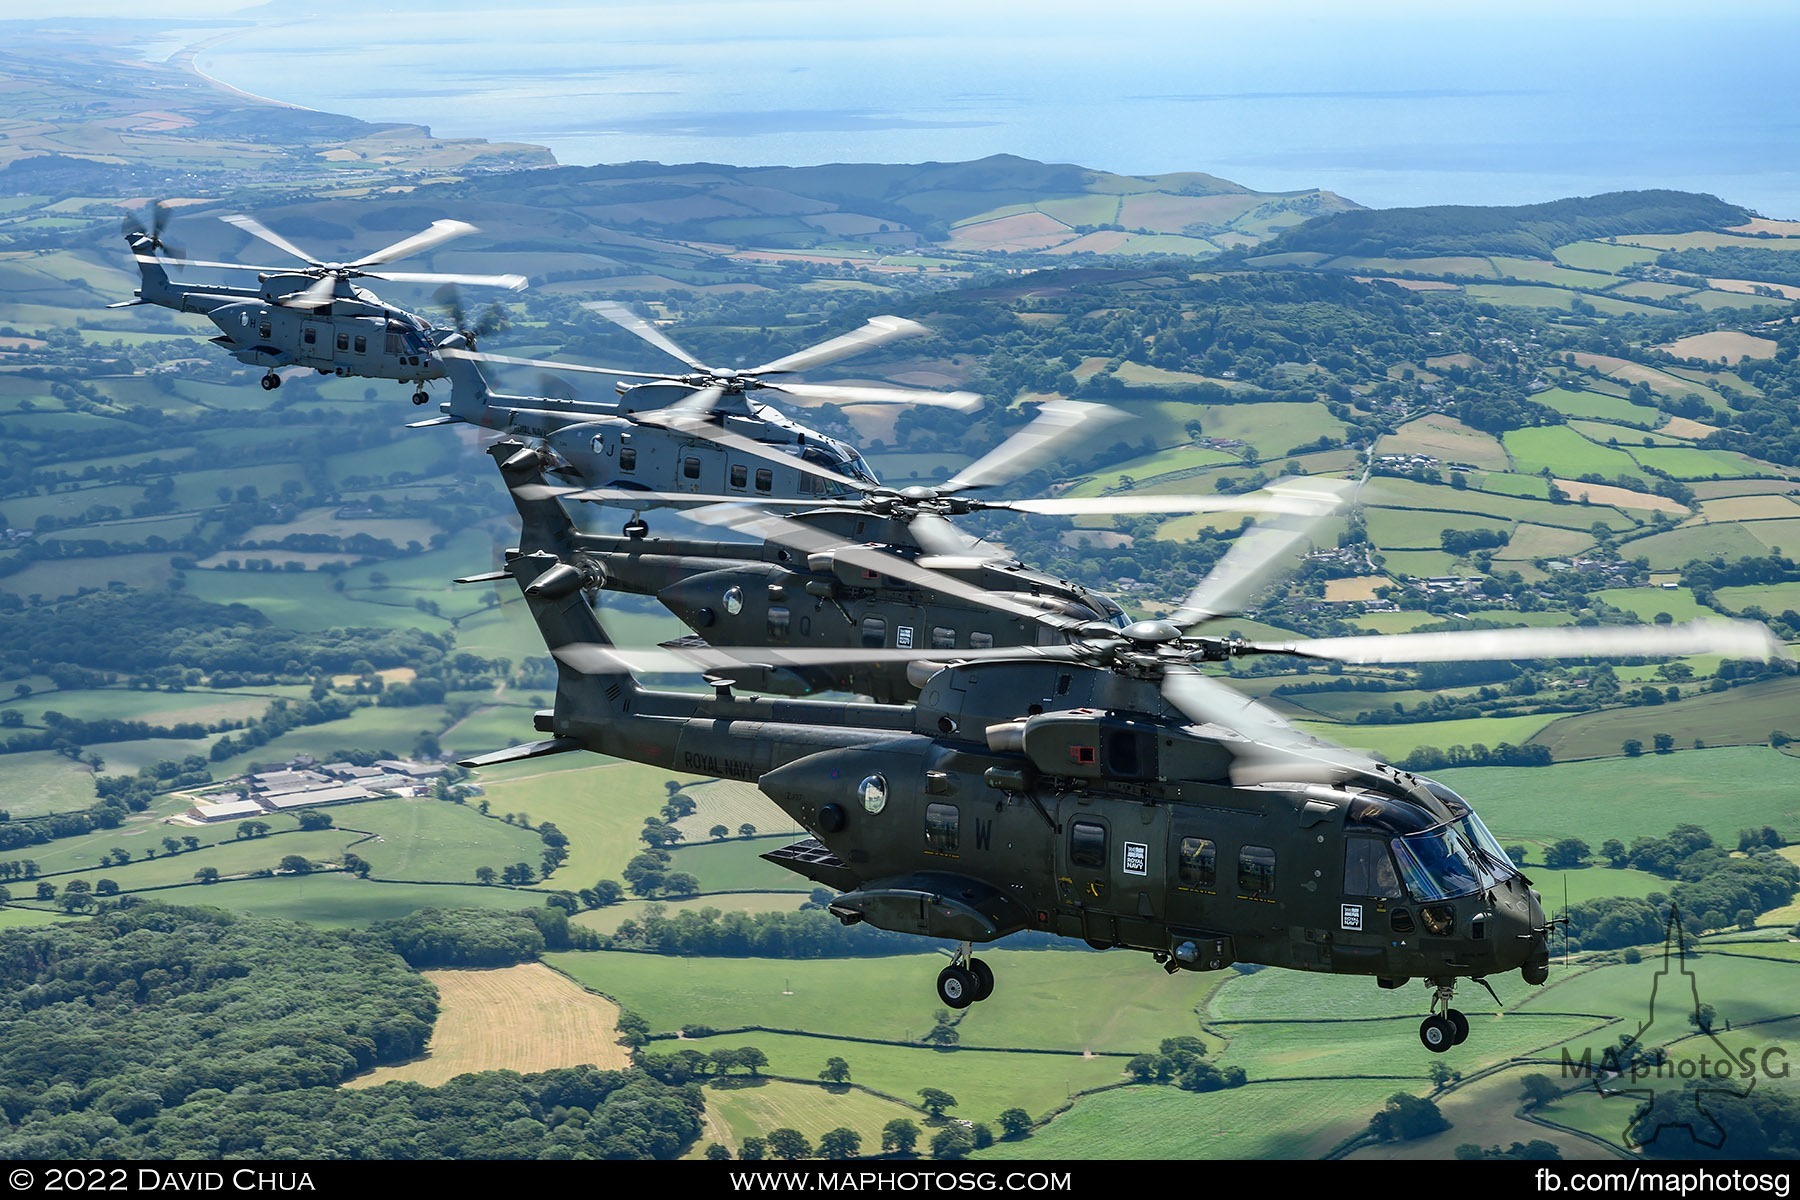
{"points": [[874, 632], [1197, 863], [690, 467], [392, 343], [1087, 845], [362, 344], [780, 620], [981, 641], [765, 479], [734, 600], [1369, 870], [943, 638], [740, 474], [942, 826], [308, 335], [263, 330], [343, 341], [627, 458], [1256, 871]]}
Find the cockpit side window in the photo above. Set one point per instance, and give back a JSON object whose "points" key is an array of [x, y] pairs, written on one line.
{"points": [[1369, 870]]}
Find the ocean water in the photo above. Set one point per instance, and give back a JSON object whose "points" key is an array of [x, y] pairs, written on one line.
{"points": [[1386, 102]]}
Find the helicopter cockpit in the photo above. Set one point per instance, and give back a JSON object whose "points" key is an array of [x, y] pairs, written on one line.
{"points": [[1442, 850]]}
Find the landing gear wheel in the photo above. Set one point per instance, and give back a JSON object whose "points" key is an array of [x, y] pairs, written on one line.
{"points": [[271, 381], [1437, 1033], [1459, 1026], [957, 987], [419, 397], [984, 978], [636, 528]]}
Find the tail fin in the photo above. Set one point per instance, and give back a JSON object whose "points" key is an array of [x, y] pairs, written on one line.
{"points": [[594, 686], [544, 522], [469, 390], [153, 280]]}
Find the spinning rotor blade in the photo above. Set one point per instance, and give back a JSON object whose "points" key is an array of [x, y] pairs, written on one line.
{"points": [[512, 283], [1733, 639], [1057, 424], [1301, 497], [1258, 556], [695, 425], [198, 262], [619, 315], [439, 233], [1273, 751], [843, 394], [160, 213], [257, 229], [320, 291], [545, 364], [877, 331], [809, 540]]}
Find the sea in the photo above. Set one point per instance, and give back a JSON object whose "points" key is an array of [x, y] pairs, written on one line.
{"points": [[1388, 103]]}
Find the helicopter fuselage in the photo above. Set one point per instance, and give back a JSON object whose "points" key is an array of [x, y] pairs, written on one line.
{"points": [[1072, 800], [762, 593], [620, 445]]}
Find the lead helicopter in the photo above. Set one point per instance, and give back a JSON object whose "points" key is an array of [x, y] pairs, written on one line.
{"points": [[667, 438], [1107, 789], [884, 568], [313, 315]]}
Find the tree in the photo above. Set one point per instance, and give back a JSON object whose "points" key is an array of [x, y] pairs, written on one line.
{"points": [[1538, 1090], [1406, 1117], [295, 864], [718, 833], [207, 875], [746, 830], [936, 1100], [1701, 1018], [1633, 747], [484, 875], [839, 1144], [1015, 1123], [1566, 854], [952, 1142], [836, 1070], [899, 1136], [789, 1144]]}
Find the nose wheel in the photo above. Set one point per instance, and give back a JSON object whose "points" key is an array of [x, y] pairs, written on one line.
{"points": [[1446, 1026]]}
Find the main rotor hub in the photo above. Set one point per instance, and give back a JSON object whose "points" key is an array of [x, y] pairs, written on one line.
{"points": [[917, 494], [1151, 633]]}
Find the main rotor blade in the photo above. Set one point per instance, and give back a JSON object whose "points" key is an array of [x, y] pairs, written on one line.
{"points": [[1264, 502], [257, 229], [617, 313], [709, 657], [547, 365], [1206, 701], [512, 283], [1732, 639], [439, 233], [848, 394], [1258, 556], [810, 540], [200, 262], [876, 332], [320, 291], [698, 426], [1057, 424]]}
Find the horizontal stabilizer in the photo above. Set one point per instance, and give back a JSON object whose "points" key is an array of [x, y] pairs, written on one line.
{"points": [[429, 421], [126, 304], [520, 753], [485, 577]]}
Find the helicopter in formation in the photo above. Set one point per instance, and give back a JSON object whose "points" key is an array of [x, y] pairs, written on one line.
{"points": [[314, 315], [883, 568], [1106, 787], [667, 438]]}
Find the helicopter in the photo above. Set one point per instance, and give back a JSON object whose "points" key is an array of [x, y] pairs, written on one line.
{"points": [[887, 569], [313, 315], [667, 438], [1106, 789]]}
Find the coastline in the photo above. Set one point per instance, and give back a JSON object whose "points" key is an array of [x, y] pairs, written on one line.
{"points": [[185, 59]]}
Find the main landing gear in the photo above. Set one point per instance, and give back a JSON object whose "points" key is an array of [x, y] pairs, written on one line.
{"points": [[1446, 1026], [965, 980], [419, 397], [637, 527], [271, 381]]}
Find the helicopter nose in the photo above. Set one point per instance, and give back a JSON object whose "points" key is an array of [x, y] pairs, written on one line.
{"points": [[692, 600]]}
